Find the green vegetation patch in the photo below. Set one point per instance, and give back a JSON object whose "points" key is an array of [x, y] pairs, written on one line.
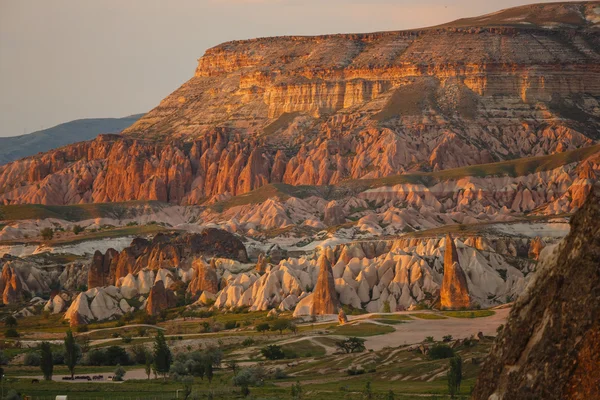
{"points": [[427, 316], [303, 348], [469, 314], [363, 330]]}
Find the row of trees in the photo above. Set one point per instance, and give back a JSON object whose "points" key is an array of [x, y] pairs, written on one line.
{"points": [[159, 360]]}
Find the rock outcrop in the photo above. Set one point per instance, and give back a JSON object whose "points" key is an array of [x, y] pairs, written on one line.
{"points": [[99, 271], [206, 279], [325, 298], [454, 293], [550, 346], [175, 251], [10, 285], [160, 299], [342, 318]]}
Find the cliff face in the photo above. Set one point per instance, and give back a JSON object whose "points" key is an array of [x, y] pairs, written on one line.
{"points": [[550, 347], [318, 110]]}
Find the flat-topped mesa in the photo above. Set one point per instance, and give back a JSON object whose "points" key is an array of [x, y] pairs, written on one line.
{"points": [[454, 293], [325, 299], [321, 110]]}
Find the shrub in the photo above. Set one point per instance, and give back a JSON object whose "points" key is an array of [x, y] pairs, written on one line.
{"points": [[248, 342], [351, 345], [440, 351], [81, 328], [47, 233], [32, 359], [77, 229], [119, 373], [279, 374], [10, 322], [11, 333], [447, 338], [429, 339], [230, 324], [272, 352], [126, 339], [354, 370], [263, 327]]}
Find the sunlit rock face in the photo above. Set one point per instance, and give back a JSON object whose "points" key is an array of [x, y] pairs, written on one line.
{"points": [[550, 347], [325, 299], [454, 293], [318, 110]]}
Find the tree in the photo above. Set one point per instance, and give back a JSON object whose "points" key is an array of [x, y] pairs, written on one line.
{"points": [[187, 381], [351, 345], [280, 325], [148, 363], [46, 360], [72, 352], [233, 366], [162, 354], [262, 327], [368, 392], [440, 351], [119, 373], [77, 229], [208, 370], [454, 376], [296, 391], [390, 395], [47, 233], [272, 352], [10, 322]]}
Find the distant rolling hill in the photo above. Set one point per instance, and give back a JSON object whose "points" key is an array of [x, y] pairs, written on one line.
{"points": [[16, 147]]}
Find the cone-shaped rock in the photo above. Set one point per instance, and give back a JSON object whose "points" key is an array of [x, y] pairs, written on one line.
{"points": [[325, 300], [206, 279], [10, 285], [342, 318], [550, 346], [454, 292]]}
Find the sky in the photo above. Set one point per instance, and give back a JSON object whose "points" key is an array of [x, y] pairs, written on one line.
{"points": [[62, 60]]}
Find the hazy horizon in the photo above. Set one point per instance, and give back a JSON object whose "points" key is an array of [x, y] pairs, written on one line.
{"points": [[65, 60]]}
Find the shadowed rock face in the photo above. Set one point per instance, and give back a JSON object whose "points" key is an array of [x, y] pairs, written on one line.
{"points": [[176, 250], [454, 292], [325, 300], [160, 299], [319, 110], [99, 272], [550, 347]]}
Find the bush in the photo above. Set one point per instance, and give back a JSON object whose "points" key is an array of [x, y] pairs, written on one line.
{"points": [[113, 355], [263, 327], [230, 325], [47, 233], [272, 352], [11, 333], [77, 229], [248, 342], [354, 370], [81, 328], [440, 351], [126, 339], [32, 359], [119, 373], [10, 322], [251, 376], [279, 374]]}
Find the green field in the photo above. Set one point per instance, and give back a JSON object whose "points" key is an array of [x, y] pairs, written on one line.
{"points": [[362, 330]]}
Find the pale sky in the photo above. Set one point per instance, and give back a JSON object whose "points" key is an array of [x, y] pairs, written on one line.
{"points": [[67, 59]]}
